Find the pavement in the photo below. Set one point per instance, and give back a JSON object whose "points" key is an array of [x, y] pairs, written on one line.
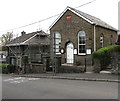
{"points": [[102, 77]]}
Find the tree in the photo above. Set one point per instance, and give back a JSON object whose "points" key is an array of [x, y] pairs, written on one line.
{"points": [[6, 38]]}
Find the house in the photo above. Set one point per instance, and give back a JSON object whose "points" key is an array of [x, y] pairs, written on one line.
{"points": [[75, 35], [33, 45], [3, 54]]}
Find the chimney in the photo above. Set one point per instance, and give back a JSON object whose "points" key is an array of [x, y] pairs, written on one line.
{"points": [[23, 32]]}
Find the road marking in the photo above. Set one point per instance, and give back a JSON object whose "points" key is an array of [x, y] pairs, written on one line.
{"points": [[33, 78], [8, 80], [19, 80], [16, 82]]}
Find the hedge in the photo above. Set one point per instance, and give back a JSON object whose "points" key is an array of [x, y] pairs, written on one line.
{"points": [[104, 55], [103, 52], [7, 68]]}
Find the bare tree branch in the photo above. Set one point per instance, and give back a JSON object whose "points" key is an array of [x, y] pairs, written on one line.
{"points": [[6, 38]]}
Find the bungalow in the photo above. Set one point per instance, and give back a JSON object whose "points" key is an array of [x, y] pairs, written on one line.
{"points": [[33, 45], [75, 35]]}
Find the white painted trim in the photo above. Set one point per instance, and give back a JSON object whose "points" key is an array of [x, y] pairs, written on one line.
{"points": [[81, 53], [91, 22], [22, 43], [29, 39], [94, 37], [81, 44], [16, 44], [58, 18], [57, 53], [68, 8]]}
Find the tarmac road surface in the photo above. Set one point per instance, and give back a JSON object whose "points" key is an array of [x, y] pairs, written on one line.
{"points": [[41, 88]]}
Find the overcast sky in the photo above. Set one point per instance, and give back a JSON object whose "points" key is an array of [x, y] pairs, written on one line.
{"points": [[17, 13]]}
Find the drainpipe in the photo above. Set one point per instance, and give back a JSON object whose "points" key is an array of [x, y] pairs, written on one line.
{"points": [[94, 36]]}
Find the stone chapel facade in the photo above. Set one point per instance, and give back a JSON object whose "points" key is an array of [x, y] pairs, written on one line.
{"points": [[75, 35]]}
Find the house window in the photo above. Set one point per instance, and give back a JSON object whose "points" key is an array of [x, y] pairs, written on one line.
{"points": [[81, 43], [56, 42], [101, 40], [111, 40]]}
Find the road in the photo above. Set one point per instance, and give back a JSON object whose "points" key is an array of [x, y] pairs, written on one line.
{"points": [[39, 88]]}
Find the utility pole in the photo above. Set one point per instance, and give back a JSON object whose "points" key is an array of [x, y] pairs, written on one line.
{"points": [[54, 55]]}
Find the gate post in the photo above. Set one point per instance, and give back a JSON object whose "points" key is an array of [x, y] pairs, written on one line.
{"points": [[46, 62], [58, 63]]}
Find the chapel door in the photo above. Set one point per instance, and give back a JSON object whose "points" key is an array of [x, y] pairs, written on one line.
{"points": [[70, 55]]}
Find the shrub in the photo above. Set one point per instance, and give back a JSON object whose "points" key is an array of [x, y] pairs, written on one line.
{"points": [[101, 53], [3, 68], [11, 68], [104, 54]]}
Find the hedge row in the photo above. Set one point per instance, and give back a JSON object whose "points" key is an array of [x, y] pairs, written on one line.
{"points": [[104, 55], [105, 52], [6, 68]]}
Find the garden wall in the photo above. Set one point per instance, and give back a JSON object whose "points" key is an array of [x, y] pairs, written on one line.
{"points": [[34, 68]]}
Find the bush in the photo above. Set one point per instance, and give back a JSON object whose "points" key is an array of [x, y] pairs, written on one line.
{"points": [[101, 53], [104, 55], [3, 68], [11, 68]]}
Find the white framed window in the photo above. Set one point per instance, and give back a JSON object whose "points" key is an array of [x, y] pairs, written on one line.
{"points": [[102, 40], [81, 43], [56, 42], [111, 40]]}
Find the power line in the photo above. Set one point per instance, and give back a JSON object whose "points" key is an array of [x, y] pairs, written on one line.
{"points": [[85, 4], [44, 19]]}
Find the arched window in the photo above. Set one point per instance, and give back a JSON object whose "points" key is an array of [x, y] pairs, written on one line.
{"points": [[81, 43], [101, 40], [57, 42], [111, 40]]}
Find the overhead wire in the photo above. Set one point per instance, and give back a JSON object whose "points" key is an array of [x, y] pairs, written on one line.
{"points": [[43, 19]]}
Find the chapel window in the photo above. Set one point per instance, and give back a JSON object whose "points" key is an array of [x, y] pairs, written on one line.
{"points": [[102, 40], [56, 42], [81, 43], [111, 40]]}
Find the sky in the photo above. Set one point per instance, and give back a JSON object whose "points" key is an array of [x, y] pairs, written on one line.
{"points": [[17, 13]]}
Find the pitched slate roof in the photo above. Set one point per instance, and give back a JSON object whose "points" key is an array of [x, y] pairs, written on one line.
{"points": [[21, 40], [87, 17]]}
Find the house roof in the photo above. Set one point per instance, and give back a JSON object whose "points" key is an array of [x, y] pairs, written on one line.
{"points": [[23, 39], [87, 17]]}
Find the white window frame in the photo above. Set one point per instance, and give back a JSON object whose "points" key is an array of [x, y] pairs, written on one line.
{"points": [[101, 40], [54, 43], [81, 44]]}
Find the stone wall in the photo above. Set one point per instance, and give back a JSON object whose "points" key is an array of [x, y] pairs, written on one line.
{"points": [[34, 68], [109, 37], [114, 65], [69, 33], [71, 69]]}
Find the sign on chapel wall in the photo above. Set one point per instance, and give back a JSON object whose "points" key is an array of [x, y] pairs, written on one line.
{"points": [[68, 18]]}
